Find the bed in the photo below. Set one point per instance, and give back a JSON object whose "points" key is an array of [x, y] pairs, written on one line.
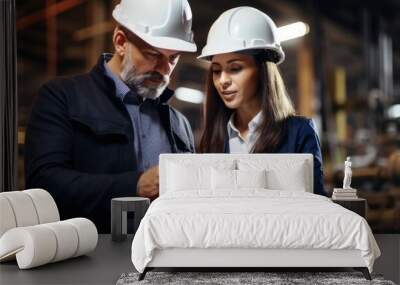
{"points": [[246, 211]]}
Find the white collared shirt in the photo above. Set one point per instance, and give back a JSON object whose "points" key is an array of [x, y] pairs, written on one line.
{"points": [[239, 144]]}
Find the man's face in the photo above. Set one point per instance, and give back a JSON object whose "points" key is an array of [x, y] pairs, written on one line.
{"points": [[147, 69]]}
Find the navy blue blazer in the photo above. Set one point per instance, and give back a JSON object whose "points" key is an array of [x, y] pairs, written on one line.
{"points": [[302, 138]]}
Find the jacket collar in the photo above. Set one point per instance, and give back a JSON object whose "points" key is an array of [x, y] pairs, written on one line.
{"points": [[99, 73]]}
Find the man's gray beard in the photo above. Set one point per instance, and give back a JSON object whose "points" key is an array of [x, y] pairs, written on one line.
{"points": [[135, 81]]}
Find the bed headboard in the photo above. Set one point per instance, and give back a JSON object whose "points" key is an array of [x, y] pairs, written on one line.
{"points": [[288, 165]]}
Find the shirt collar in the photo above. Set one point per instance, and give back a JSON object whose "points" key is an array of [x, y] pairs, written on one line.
{"points": [[256, 121], [120, 87], [253, 124]]}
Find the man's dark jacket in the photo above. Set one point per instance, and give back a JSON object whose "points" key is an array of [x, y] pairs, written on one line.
{"points": [[79, 144]]}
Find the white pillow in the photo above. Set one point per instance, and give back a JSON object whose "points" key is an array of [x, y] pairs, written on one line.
{"points": [[183, 173], [295, 180], [183, 178], [222, 179], [251, 178], [282, 174]]}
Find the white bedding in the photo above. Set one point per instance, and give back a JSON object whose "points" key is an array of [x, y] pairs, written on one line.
{"points": [[252, 218]]}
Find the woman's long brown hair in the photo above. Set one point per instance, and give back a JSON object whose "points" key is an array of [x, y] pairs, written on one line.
{"points": [[276, 108]]}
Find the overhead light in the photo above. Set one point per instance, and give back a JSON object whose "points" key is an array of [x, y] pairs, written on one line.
{"points": [[189, 95], [394, 111], [293, 31]]}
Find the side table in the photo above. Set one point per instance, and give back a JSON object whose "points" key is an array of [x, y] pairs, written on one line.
{"points": [[119, 209], [358, 206]]}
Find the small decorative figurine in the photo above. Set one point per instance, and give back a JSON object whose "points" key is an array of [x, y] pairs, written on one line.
{"points": [[347, 174]]}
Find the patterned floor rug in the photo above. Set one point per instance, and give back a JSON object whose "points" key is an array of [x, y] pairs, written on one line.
{"points": [[243, 278]]}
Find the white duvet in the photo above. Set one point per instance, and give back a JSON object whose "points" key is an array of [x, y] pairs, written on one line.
{"points": [[250, 219]]}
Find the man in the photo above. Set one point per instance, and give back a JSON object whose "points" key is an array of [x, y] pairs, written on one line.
{"points": [[97, 136]]}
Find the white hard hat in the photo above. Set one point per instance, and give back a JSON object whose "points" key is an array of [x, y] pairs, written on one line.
{"points": [[161, 23], [240, 29]]}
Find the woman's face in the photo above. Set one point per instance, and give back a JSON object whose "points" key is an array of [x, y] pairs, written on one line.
{"points": [[235, 76]]}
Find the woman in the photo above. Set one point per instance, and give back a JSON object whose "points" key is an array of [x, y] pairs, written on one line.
{"points": [[247, 109]]}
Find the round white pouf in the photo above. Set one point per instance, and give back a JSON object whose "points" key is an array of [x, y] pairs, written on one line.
{"points": [[33, 246], [7, 218], [87, 233], [67, 240], [45, 205], [23, 208]]}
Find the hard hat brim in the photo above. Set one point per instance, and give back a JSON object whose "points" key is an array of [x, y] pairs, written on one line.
{"points": [[168, 43], [205, 55]]}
